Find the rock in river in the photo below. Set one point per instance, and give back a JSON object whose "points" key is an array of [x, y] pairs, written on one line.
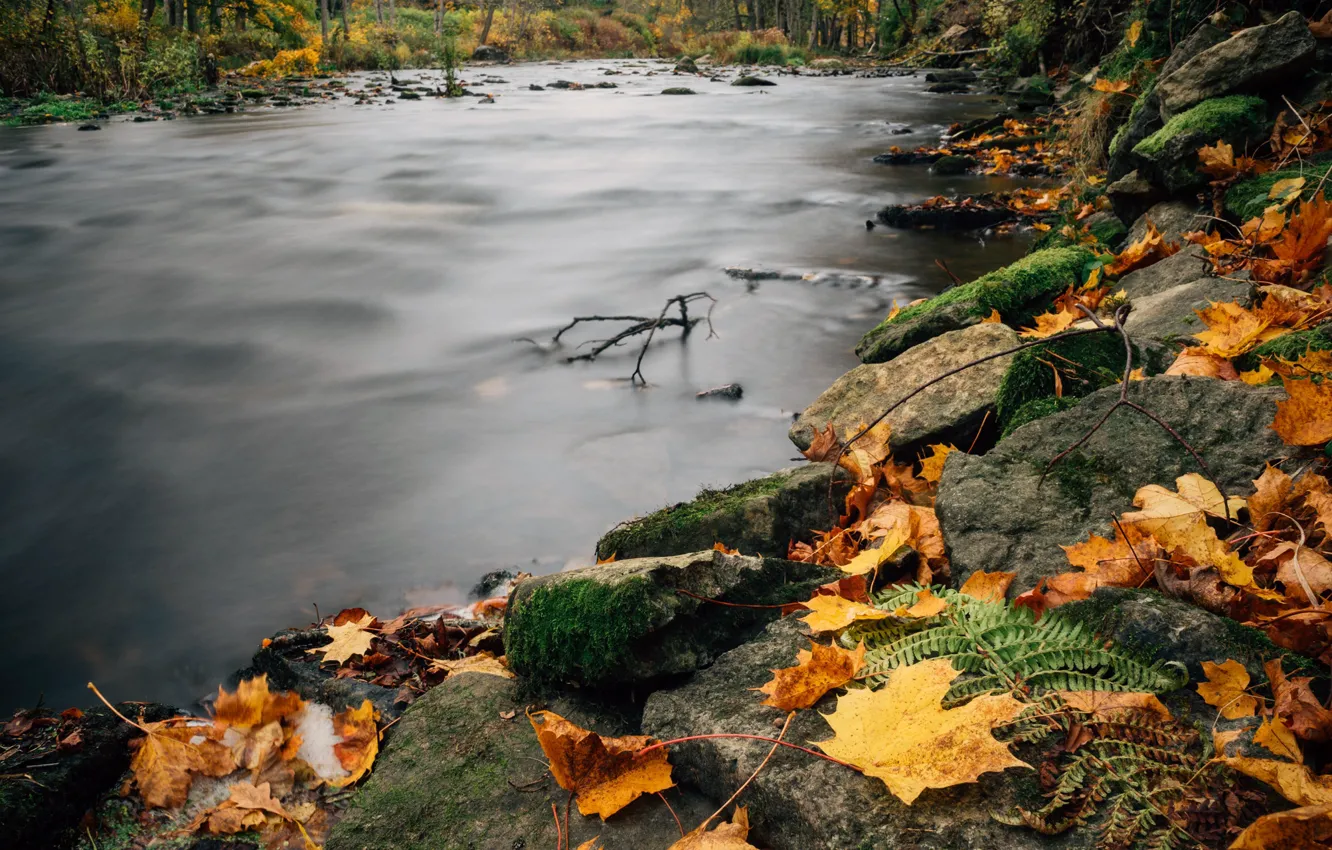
{"points": [[996, 513], [761, 516], [489, 53], [949, 411], [752, 81], [642, 619]]}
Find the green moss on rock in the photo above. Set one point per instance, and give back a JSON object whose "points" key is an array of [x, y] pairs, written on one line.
{"points": [[579, 630], [1290, 346], [1221, 117], [1038, 408], [1085, 363], [1248, 198], [1011, 290]]}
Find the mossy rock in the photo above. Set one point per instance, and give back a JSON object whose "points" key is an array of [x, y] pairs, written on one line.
{"points": [[678, 90], [1017, 291], [642, 619], [1107, 228], [1249, 198], [1170, 155], [1037, 408], [758, 517], [1086, 364], [463, 769], [1290, 346]]}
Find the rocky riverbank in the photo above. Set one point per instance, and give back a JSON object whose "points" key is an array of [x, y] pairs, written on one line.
{"points": [[986, 521]]}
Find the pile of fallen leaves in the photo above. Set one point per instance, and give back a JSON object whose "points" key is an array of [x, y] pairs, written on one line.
{"points": [[1020, 148]]}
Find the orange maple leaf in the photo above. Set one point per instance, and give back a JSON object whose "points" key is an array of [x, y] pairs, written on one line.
{"points": [[605, 774], [1305, 417], [1151, 248], [817, 671]]}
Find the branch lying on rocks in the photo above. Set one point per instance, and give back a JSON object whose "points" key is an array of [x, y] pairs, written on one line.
{"points": [[641, 325]]}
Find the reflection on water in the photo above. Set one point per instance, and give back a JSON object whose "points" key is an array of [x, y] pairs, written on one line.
{"points": [[253, 363]]}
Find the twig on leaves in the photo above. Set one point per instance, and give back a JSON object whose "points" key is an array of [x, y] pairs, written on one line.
{"points": [[641, 325]]}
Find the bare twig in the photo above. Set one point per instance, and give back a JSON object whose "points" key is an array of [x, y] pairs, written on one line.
{"points": [[780, 735], [641, 325]]}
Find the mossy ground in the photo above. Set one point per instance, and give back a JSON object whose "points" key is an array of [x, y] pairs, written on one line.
{"points": [[1037, 409], [576, 630], [53, 109], [1221, 117]]}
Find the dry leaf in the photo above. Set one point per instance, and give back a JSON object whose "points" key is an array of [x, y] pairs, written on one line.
{"points": [[1197, 360], [349, 639], [360, 742], [603, 773], [1232, 330], [1104, 85], [833, 613], [816, 672], [1049, 324], [1296, 704], [987, 587], [931, 468], [727, 836], [1108, 703], [164, 764], [1276, 736], [482, 662], [1306, 827], [1151, 248], [1305, 418], [1295, 782], [1225, 689], [902, 735], [926, 605]]}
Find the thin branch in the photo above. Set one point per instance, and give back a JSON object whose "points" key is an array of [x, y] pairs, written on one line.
{"points": [[641, 325], [782, 734]]}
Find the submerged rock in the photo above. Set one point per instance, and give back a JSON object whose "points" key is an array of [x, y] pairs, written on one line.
{"points": [[1252, 60], [752, 81], [678, 90], [800, 803], [996, 513], [730, 392], [950, 411], [761, 516], [975, 216], [949, 166], [463, 769], [642, 619], [1021, 288], [953, 75]]}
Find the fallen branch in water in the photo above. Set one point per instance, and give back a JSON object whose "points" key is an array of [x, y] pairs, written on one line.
{"points": [[641, 325]]}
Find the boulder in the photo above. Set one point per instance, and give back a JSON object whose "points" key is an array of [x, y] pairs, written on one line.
{"points": [[1170, 315], [1132, 195], [951, 75], [686, 66], [46, 813], [950, 166], [800, 803], [678, 90], [489, 53], [1106, 227], [1252, 60], [975, 216], [1027, 93], [463, 769], [1172, 218], [761, 516], [1021, 288], [950, 411], [948, 88], [642, 619], [1169, 157], [752, 81], [1187, 264], [1001, 512]]}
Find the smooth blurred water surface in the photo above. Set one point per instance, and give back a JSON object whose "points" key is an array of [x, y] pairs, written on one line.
{"points": [[257, 362]]}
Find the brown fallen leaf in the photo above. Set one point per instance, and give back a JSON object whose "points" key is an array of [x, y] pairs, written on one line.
{"points": [[1203, 363], [817, 671], [987, 587], [1304, 418], [359, 746], [1276, 736], [603, 773], [902, 735], [1295, 782], [1225, 689], [1296, 704], [164, 765], [1108, 703], [1306, 827], [727, 836], [482, 662]]}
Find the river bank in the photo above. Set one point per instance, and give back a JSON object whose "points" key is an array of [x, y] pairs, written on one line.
{"points": [[984, 524]]}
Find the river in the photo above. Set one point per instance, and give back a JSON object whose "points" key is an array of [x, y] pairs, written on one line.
{"points": [[253, 363]]}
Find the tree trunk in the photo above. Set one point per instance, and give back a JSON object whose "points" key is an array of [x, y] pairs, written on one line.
{"points": [[735, 4], [393, 14], [171, 13], [192, 15], [214, 16], [147, 9], [342, 7], [323, 19], [242, 16], [379, 11], [758, 14], [813, 25], [485, 27]]}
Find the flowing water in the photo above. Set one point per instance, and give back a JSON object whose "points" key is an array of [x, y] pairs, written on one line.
{"points": [[256, 362]]}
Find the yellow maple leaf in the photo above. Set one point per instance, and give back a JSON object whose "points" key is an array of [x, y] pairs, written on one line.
{"points": [[1049, 324], [727, 836], [482, 662], [926, 605], [993, 319], [164, 765], [1284, 192], [1304, 418], [931, 468], [1295, 782], [1134, 33], [831, 613], [1151, 248], [902, 734], [351, 638], [1232, 330], [871, 559], [1277, 737], [1257, 377], [1179, 521], [605, 774], [987, 587], [1225, 689], [817, 671], [1109, 87]]}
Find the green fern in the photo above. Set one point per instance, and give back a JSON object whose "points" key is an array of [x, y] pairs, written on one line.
{"points": [[1001, 647], [1138, 780]]}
